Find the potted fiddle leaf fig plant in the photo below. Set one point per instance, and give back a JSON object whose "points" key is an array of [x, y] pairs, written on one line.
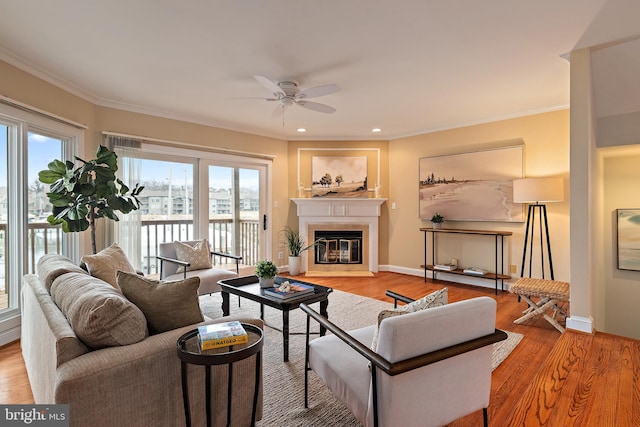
{"points": [[266, 271], [82, 194], [296, 245]]}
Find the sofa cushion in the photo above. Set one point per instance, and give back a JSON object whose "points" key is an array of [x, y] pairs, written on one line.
{"points": [[50, 266], [105, 263], [166, 305], [98, 313], [198, 255], [434, 299]]}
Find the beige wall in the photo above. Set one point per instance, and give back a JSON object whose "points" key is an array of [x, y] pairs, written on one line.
{"points": [[622, 287], [603, 180], [546, 140], [377, 153]]}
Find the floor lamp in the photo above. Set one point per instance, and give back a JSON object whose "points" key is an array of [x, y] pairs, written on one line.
{"points": [[534, 191]]}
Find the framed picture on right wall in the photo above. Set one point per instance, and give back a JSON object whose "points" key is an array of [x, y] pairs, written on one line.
{"points": [[628, 221]]}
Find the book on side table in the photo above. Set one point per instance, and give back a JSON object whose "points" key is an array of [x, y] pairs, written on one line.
{"points": [[475, 271], [294, 290], [221, 335], [445, 267]]}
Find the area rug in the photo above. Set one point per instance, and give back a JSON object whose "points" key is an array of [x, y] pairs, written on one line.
{"points": [[284, 382]]}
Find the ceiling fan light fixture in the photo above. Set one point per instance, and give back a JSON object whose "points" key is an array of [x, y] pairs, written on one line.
{"points": [[288, 93], [286, 101]]}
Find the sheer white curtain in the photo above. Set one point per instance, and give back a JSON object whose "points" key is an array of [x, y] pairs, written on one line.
{"points": [[128, 231]]}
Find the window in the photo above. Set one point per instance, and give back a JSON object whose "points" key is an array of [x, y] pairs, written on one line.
{"points": [[191, 194], [28, 142]]}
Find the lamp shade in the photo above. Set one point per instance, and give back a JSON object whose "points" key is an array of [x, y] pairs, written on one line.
{"points": [[534, 190]]}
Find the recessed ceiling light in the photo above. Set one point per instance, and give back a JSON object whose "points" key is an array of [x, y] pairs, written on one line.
{"points": [[376, 130], [301, 130]]}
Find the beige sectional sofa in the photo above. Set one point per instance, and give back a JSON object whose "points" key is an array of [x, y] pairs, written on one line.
{"points": [[135, 384]]}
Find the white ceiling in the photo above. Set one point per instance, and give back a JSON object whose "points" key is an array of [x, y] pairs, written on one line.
{"points": [[408, 67]]}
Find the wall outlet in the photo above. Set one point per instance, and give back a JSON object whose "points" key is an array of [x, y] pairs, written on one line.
{"points": [[393, 205], [512, 268], [280, 255]]}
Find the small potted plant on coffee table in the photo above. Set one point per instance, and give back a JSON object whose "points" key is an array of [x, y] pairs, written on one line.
{"points": [[266, 271], [437, 220]]}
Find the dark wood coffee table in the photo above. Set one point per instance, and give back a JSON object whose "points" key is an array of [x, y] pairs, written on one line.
{"points": [[248, 287]]}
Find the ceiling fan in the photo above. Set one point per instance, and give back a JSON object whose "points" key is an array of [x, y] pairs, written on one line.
{"points": [[288, 93]]}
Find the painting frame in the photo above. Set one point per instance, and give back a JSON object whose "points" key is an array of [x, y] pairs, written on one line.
{"points": [[471, 186], [339, 176], [628, 239]]}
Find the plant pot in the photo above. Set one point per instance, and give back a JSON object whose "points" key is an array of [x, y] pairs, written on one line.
{"points": [[294, 265], [266, 283], [437, 225]]}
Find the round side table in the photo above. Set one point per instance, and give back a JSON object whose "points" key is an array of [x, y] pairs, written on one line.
{"points": [[189, 352]]}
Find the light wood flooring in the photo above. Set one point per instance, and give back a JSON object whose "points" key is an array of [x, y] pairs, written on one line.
{"points": [[550, 379]]}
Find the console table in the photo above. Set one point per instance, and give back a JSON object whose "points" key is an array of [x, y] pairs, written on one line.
{"points": [[498, 236]]}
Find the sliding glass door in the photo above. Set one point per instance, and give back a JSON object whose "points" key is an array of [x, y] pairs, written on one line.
{"points": [[167, 204], [189, 195], [235, 211]]}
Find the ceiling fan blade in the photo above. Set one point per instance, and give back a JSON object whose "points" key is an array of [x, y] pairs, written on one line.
{"points": [[316, 106], [314, 92], [254, 97], [271, 86]]}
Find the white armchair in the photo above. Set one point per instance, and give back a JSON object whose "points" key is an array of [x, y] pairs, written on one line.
{"points": [[209, 277], [429, 368]]}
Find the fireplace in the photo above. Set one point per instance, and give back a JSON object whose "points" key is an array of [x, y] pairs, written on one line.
{"points": [[342, 218], [338, 247]]}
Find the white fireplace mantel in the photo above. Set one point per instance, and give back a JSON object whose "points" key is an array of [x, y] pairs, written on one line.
{"points": [[346, 211]]}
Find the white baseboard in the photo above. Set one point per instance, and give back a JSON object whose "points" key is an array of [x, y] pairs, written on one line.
{"points": [[582, 324], [9, 336], [456, 278]]}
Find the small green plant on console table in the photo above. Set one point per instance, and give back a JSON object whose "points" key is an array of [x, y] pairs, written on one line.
{"points": [[437, 220]]}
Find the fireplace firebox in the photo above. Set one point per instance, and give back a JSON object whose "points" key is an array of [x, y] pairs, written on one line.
{"points": [[338, 247]]}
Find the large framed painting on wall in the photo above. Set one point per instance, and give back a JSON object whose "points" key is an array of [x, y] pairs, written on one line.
{"points": [[476, 186], [339, 176], [628, 239]]}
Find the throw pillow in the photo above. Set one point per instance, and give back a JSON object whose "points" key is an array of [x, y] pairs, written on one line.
{"points": [[166, 305], [434, 299], [98, 313], [105, 263], [198, 255]]}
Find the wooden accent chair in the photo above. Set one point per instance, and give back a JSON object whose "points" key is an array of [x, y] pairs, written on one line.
{"points": [[429, 367], [209, 277]]}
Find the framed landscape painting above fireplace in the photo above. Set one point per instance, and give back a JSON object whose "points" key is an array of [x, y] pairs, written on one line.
{"points": [[339, 176]]}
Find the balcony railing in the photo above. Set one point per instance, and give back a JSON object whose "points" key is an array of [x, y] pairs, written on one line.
{"points": [[220, 236], [44, 238]]}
